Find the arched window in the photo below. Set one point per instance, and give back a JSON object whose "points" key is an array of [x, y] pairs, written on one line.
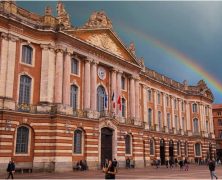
{"points": [[158, 98], [168, 120], [78, 141], [197, 149], [27, 52], [101, 94], [25, 89], [123, 107], [22, 140], [152, 147], [195, 126], [149, 95], [74, 66], [159, 120], [73, 96], [150, 117], [128, 144], [195, 107], [178, 148]]}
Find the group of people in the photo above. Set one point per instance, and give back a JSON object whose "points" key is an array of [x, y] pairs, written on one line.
{"points": [[110, 168], [174, 163], [81, 165]]}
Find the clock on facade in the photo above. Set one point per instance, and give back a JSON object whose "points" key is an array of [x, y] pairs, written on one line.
{"points": [[101, 73]]}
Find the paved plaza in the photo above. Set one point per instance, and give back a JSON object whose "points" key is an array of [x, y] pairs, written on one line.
{"points": [[195, 172]]}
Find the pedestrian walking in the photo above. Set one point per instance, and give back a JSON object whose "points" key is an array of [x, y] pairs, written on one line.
{"points": [[211, 165], [186, 164], [115, 164], [127, 163], [181, 164], [11, 169], [111, 171], [171, 163], [167, 163]]}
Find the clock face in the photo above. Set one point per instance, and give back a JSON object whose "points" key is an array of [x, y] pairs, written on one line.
{"points": [[101, 73]]}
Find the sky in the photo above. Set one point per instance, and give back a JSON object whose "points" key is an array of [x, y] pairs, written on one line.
{"points": [[192, 29]]}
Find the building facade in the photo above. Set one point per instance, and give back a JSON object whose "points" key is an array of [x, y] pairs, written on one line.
{"points": [[71, 93], [217, 118]]}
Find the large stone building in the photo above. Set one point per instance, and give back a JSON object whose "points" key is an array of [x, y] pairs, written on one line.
{"points": [[217, 118], [69, 93]]}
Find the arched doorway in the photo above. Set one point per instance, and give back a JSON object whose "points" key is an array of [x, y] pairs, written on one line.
{"points": [[171, 155], [162, 151], [106, 144]]}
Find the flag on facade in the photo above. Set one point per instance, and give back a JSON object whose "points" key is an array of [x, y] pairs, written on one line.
{"points": [[106, 101], [119, 103], [113, 100]]}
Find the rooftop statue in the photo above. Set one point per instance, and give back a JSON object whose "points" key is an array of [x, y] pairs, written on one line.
{"points": [[63, 16], [98, 19], [132, 48]]}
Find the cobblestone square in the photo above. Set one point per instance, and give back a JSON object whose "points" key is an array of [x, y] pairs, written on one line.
{"points": [[195, 172]]}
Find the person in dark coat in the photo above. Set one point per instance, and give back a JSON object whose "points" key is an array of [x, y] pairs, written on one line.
{"points": [[11, 169], [127, 162], [181, 164], [211, 165], [111, 171]]}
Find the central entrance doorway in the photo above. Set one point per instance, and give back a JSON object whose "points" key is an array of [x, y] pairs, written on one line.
{"points": [[106, 144], [162, 151], [171, 155]]}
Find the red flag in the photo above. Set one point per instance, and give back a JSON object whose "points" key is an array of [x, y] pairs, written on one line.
{"points": [[119, 102]]}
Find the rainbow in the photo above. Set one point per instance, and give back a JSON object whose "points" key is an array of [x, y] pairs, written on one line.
{"points": [[182, 58]]}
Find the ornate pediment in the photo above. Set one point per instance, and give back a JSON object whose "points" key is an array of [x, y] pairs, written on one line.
{"points": [[105, 42]]}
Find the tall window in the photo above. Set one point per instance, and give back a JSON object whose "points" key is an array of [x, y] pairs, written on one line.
{"points": [[182, 106], [168, 120], [22, 140], [101, 94], [207, 126], [75, 66], [176, 122], [123, 82], [152, 146], [183, 124], [175, 103], [195, 107], [195, 125], [27, 52], [219, 122], [206, 110], [73, 96], [219, 113], [25, 89], [158, 97], [220, 134], [198, 149], [78, 141], [149, 95], [167, 100], [178, 148], [150, 117], [123, 107], [128, 144], [159, 120]]}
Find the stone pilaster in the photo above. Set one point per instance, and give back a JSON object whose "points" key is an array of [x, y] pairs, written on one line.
{"points": [[113, 87], [155, 110], [173, 115], [67, 73], [93, 100], [59, 74], [10, 65], [188, 118], [87, 74], [132, 97], [137, 100], [3, 63], [164, 113], [47, 74], [180, 115], [145, 108]]}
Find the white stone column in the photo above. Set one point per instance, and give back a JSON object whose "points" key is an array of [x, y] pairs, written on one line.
{"points": [[164, 112], [67, 73], [137, 100], [132, 97], [10, 66], [201, 117], [119, 91], [211, 120], [155, 111], [87, 85], [145, 108], [173, 115], [188, 117], [3, 63], [93, 82], [59, 75], [113, 88], [180, 114]]}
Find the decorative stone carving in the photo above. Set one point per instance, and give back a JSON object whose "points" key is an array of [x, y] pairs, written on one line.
{"points": [[98, 19], [48, 11], [103, 41], [132, 48], [63, 16]]}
